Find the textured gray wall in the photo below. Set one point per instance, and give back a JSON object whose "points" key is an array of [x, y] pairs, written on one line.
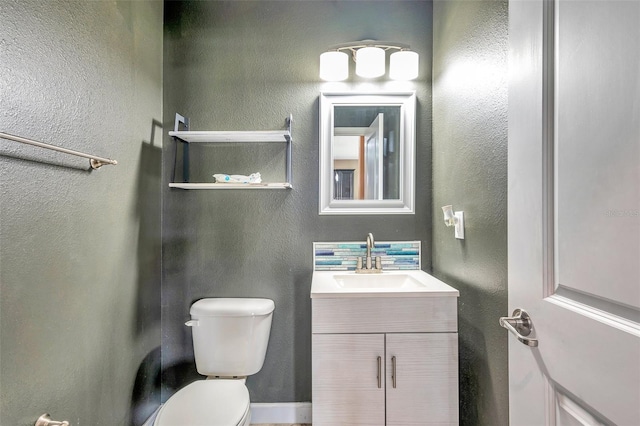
{"points": [[470, 172], [80, 250], [245, 66]]}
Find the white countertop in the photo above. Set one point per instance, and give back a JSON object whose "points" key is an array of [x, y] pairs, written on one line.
{"points": [[406, 283]]}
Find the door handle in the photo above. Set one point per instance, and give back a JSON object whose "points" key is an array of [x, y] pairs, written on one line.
{"points": [[379, 372], [393, 371], [519, 323]]}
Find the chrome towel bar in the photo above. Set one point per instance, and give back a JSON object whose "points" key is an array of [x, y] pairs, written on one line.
{"points": [[95, 161]]}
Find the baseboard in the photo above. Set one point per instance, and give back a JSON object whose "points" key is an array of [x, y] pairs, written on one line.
{"points": [[274, 412], [281, 412]]}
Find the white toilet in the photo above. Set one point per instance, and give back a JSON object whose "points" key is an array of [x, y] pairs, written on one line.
{"points": [[230, 338]]}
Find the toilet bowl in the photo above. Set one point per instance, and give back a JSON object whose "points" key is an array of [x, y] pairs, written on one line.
{"points": [[230, 338], [207, 403]]}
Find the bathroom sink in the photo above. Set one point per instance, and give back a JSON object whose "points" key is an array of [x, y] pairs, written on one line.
{"points": [[413, 283], [391, 281]]}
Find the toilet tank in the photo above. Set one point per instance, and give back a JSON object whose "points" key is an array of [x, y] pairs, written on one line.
{"points": [[230, 335]]}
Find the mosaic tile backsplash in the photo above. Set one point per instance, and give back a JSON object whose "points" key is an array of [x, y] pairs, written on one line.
{"points": [[342, 256]]}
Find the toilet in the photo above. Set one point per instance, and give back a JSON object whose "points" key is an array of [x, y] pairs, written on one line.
{"points": [[230, 337]]}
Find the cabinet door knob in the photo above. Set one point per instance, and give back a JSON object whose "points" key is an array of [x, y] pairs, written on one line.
{"points": [[393, 371], [379, 372]]}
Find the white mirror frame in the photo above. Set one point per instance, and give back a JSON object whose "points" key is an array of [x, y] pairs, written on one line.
{"points": [[405, 205]]}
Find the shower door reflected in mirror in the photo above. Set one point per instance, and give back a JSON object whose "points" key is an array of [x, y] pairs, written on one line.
{"points": [[343, 188], [367, 145]]}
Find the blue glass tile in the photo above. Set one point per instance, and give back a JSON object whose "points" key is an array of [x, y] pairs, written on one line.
{"points": [[403, 245], [325, 246], [329, 262], [402, 252], [351, 246]]}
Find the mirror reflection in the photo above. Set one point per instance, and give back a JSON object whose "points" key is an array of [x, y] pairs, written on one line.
{"points": [[366, 154]]}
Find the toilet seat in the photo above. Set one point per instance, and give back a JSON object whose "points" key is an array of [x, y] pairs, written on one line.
{"points": [[207, 403]]}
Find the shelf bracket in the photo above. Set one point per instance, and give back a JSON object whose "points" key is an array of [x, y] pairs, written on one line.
{"points": [[180, 119], [289, 137], [185, 148]]}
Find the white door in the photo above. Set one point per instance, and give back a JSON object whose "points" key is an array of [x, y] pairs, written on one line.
{"points": [[574, 220], [373, 140]]}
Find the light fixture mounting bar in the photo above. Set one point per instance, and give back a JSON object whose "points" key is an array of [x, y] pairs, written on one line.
{"points": [[353, 45]]}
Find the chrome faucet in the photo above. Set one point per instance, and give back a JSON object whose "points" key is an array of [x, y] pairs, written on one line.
{"points": [[370, 244], [369, 268]]}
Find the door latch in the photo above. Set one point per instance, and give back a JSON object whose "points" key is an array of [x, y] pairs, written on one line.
{"points": [[519, 323]]}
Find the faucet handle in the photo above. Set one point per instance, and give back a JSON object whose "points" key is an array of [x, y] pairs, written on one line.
{"points": [[359, 263], [379, 263]]}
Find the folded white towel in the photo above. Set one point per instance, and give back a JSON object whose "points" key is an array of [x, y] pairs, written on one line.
{"points": [[224, 178]]}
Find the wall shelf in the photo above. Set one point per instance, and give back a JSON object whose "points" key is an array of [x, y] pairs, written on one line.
{"points": [[257, 136], [213, 185], [227, 136]]}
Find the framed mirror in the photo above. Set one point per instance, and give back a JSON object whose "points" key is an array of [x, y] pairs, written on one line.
{"points": [[367, 153]]}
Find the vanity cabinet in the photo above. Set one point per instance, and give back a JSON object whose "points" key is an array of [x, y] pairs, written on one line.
{"points": [[385, 361], [345, 379]]}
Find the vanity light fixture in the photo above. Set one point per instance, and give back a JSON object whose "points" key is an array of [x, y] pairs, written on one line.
{"points": [[454, 219], [370, 59]]}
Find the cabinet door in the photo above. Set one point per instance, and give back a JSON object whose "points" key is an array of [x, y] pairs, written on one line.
{"points": [[346, 388], [426, 379]]}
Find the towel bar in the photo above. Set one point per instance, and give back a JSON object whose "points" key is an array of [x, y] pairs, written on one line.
{"points": [[96, 162]]}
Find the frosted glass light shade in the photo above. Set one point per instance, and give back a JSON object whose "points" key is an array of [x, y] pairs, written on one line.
{"points": [[449, 217], [403, 65], [334, 66], [370, 62]]}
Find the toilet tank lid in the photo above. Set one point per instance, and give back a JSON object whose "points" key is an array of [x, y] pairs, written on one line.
{"points": [[231, 307]]}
